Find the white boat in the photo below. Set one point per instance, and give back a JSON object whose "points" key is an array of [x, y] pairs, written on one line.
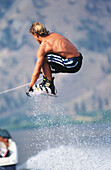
{"points": [[8, 151]]}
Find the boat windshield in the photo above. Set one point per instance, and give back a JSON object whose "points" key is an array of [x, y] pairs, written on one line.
{"points": [[5, 134]]}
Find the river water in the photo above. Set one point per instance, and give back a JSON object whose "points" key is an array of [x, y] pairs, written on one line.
{"points": [[59, 144], [75, 147]]}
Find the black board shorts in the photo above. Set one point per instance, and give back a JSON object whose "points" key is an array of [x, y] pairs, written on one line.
{"points": [[59, 64]]}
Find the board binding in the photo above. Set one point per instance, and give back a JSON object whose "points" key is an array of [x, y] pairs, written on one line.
{"points": [[38, 91]]}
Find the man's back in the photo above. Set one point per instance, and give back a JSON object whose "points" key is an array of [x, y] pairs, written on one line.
{"points": [[60, 45]]}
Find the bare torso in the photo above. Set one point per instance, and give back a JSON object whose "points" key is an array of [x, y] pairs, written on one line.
{"points": [[55, 43]]}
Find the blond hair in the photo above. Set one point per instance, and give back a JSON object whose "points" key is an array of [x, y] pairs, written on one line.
{"points": [[38, 28]]}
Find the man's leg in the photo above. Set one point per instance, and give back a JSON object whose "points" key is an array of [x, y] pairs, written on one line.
{"points": [[46, 69], [48, 81]]}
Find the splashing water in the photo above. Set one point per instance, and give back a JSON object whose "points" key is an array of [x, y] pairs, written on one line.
{"points": [[70, 158], [67, 146], [47, 112]]}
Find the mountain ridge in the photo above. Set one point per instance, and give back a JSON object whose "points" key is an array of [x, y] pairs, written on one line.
{"points": [[79, 21]]}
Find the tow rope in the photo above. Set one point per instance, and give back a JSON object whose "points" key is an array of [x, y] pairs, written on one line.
{"points": [[15, 88]]}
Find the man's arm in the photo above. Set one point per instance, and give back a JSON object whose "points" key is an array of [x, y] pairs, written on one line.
{"points": [[39, 63], [35, 74]]}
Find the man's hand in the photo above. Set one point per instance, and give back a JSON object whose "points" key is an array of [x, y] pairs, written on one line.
{"points": [[28, 90]]}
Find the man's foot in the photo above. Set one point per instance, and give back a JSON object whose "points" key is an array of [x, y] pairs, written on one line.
{"points": [[43, 82], [47, 85], [50, 85]]}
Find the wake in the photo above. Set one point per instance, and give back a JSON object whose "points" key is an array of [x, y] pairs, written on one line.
{"points": [[70, 158]]}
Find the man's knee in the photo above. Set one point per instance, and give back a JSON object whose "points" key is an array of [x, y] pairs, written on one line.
{"points": [[46, 59]]}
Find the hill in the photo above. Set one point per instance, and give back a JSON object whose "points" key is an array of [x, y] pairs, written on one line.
{"points": [[86, 23]]}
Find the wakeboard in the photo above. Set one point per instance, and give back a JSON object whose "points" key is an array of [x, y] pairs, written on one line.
{"points": [[38, 91]]}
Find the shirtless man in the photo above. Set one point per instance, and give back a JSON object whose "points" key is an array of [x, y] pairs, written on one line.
{"points": [[55, 54]]}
